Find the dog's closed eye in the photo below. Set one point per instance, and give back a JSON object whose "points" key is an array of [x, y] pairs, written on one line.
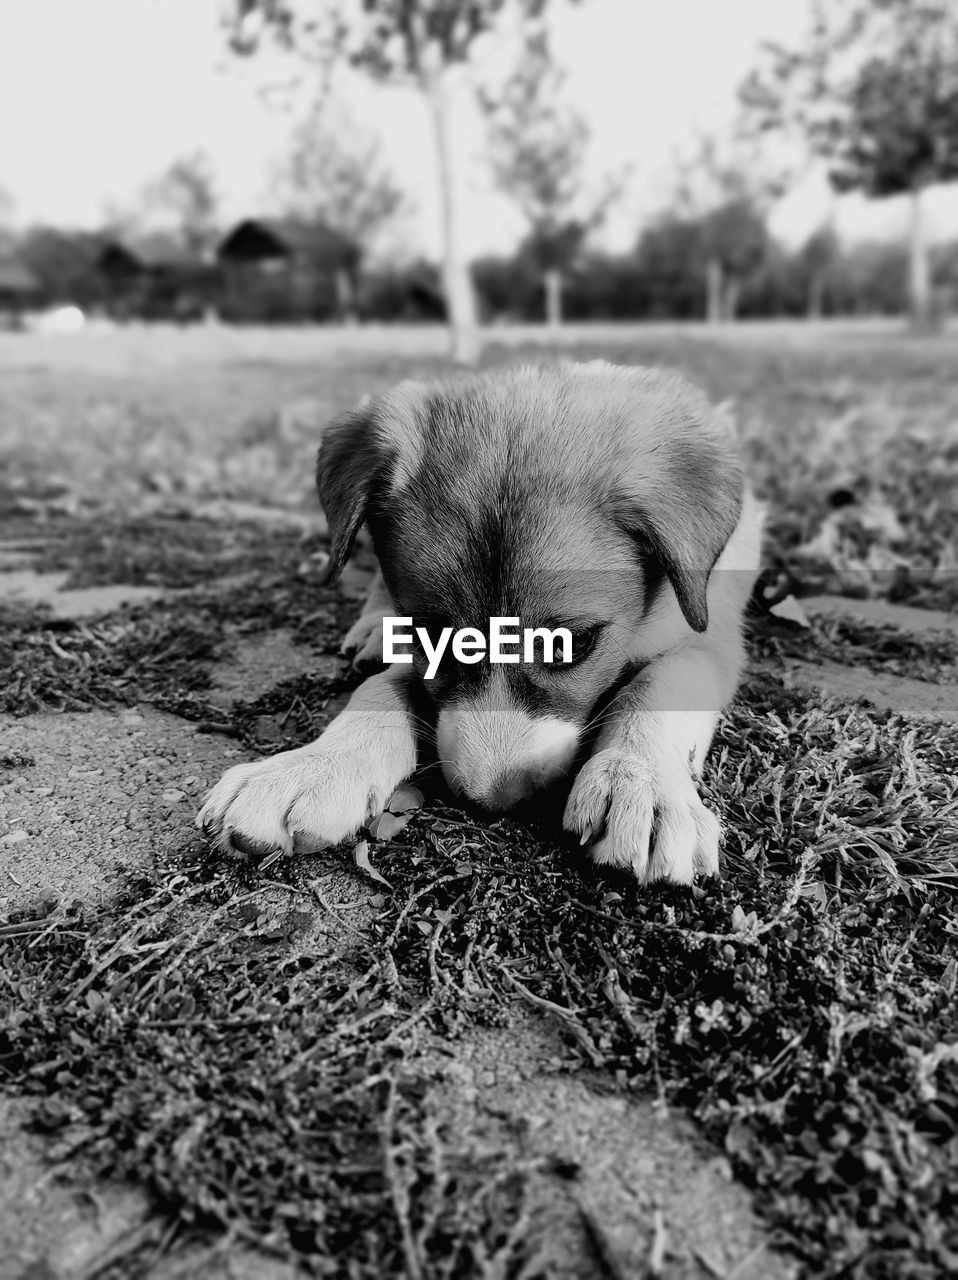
{"points": [[584, 642]]}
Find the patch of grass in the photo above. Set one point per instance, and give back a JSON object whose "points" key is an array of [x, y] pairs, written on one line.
{"points": [[878, 647], [802, 1009], [71, 666], [872, 416], [161, 652], [16, 760], [163, 551]]}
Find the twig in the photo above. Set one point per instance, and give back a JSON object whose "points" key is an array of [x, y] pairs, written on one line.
{"points": [[604, 1250], [350, 928], [902, 950], [743, 1264], [399, 1194], [566, 1015], [659, 1247]]}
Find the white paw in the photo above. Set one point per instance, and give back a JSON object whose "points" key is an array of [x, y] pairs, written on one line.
{"points": [[298, 801], [364, 640], [645, 815]]}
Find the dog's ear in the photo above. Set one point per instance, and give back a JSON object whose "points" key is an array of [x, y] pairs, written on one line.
{"points": [[365, 454], [353, 464], [683, 508]]}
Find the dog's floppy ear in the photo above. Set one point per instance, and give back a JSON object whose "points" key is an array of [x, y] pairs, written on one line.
{"points": [[353, 463], [693, 514], [365, 454], [682, 502]]}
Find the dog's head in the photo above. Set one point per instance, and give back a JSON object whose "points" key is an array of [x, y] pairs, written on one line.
{"points": [[591, 497]]}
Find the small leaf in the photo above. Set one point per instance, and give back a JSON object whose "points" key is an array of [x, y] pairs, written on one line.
{"points": [[739, 919], [361, 859], [789, 610], [405, 799], [386, 825]]}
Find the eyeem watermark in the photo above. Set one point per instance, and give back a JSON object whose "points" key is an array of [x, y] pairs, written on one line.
{"points": [[507, 641]]}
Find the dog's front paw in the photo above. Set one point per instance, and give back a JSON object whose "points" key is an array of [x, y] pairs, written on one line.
{"points": [[298, 801], [645, 815], [363, 641]]}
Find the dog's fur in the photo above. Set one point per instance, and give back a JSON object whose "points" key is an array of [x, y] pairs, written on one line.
{"points": [[583, 496]]}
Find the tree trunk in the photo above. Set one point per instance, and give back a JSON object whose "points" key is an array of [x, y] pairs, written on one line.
{"points": [[731, 296], [345, 296], [919, 276], [456, 278], [713, 284], [553, 287], [815, 302]]}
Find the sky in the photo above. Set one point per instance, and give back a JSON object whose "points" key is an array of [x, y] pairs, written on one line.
{"points": [[97, 97]]}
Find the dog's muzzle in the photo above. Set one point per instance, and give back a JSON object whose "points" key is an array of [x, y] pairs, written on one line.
{"points": [[498, 758]]}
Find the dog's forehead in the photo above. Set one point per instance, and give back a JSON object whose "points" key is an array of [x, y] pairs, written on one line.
{"points": [[505, 486], [569, 424], [507, 553]]}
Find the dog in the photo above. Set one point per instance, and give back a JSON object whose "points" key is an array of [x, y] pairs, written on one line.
{"points": [[608, 500]]}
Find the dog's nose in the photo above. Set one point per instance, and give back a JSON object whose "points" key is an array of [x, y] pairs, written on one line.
{"points": [[510, 789]]}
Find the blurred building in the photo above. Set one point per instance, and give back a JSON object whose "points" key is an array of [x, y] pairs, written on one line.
{"points": [[19, 289], [280, 269], [155, 282]]}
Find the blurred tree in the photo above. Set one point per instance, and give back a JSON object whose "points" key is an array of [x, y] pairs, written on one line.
{"points": [[426, 43], [817, 259], [726, 187], [537, 150], [873, 89], [335, 174], [735, 242], [65, 264], [671, 256], [187, 192]]}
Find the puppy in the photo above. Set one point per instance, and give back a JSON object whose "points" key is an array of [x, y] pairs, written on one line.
{"points": [[602, 499]]}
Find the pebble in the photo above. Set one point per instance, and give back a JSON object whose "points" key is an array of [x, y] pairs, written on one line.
{"points": [[14, 837], [174, 797]]}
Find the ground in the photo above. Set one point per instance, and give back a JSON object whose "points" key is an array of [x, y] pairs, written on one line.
{"points": [[497, 1061]]}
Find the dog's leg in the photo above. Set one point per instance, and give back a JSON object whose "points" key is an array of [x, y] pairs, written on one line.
{"points": [[635, 801], [319, 794], [364, 639]]}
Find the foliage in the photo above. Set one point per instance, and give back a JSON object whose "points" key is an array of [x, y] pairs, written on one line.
{"points": [[874, 91], [735, 235], [422, 42], [335, 174], [802, 1010], [726, 187], [65, 264], [187, 193], [537, 149]]}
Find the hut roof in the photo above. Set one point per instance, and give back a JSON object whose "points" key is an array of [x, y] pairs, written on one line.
{"points": [[265, 239]]}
